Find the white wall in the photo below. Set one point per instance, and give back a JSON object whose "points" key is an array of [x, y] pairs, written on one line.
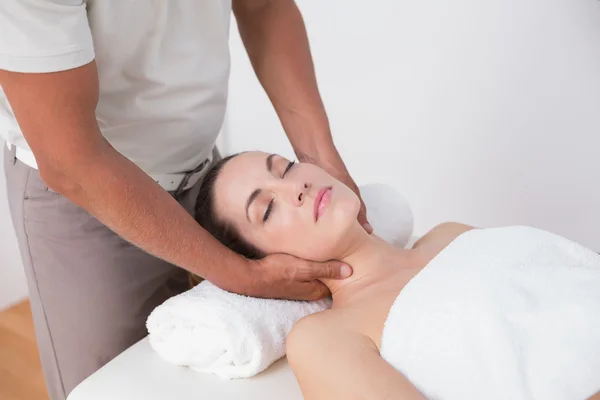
{"points": [[13, 286], [482, 112]]}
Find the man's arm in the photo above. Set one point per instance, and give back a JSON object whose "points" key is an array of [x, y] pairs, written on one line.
{"points": [[334, 363], [56, 112], [275, 38]]}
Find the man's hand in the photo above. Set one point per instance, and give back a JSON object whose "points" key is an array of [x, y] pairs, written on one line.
{"points": [[284, 276]]}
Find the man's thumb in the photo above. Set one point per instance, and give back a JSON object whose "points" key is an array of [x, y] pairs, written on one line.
{"points": [[334, 270]]}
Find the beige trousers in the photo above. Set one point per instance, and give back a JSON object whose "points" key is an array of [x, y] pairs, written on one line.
{"points": [[90, 290]]}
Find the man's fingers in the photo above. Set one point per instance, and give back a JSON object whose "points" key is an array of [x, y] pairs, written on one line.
{"points": [[362, 219], [297, 279], [312, 291], [362, 214]]}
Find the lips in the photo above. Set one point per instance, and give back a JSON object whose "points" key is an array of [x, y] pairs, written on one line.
{"points": [[321, 201]]}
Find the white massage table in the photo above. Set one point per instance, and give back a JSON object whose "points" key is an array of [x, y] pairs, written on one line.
{"points": [[139, 373]]}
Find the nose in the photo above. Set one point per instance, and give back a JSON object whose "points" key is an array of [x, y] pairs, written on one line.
{"points": [[297, 192]]}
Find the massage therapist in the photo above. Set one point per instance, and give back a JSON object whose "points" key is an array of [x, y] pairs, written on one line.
{"points": [[110, 110]]}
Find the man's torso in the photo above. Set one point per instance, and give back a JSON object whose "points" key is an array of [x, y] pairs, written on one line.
{"points": [[163, 69]]}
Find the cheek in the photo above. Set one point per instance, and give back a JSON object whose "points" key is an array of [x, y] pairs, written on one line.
{"points": [[283, 233], [291, 232]]}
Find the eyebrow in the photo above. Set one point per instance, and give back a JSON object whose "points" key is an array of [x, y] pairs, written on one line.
{"points": [[256, 192], [270, 162], [251, 198]]}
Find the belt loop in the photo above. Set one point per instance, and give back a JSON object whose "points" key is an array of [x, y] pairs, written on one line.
{"points": [[186, 178], [181, 188], [13, 153]]}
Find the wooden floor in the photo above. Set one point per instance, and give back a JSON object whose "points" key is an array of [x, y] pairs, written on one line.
{"points": [[20, 369]]}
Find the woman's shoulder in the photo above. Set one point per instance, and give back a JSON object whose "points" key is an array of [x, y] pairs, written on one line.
{"points": [[311, 329], [437, 239], [307, 328], [441, 236], [324, 329]]}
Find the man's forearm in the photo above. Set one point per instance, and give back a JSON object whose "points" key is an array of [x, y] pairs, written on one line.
{"points": [[60, 108], [125, 199], [277, 44]]}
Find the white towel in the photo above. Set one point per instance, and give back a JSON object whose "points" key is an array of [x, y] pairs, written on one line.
{"points": [[504, 313], [232, 336]]}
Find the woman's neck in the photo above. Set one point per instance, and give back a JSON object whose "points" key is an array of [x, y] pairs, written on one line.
{"points": [[373, 261]]}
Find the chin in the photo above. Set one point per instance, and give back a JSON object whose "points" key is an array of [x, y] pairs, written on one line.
{"points": [[345, 209], [343, 219], [334, 229]]}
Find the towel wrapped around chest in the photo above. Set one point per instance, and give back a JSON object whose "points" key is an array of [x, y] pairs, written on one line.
{"points": [[504, 313]]}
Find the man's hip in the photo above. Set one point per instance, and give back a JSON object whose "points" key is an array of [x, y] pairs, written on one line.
{"points": [[90, 290]]}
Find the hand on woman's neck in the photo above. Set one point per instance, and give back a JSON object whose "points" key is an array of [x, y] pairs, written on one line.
{"points": [[372, 259]]}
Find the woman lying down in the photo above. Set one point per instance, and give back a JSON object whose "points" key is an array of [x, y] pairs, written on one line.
{"points": [[503, 313]]}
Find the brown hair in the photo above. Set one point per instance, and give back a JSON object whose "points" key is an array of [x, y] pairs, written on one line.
{"points": [[206, 216], [223, 231]]}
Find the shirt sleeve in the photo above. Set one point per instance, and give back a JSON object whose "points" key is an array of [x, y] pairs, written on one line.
{"points": [[44, 35]]}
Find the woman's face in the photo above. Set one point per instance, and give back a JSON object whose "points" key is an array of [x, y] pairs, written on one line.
{"points": [[281, 207]]}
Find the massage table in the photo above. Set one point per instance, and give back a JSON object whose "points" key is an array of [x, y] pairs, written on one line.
{"points": [[139, 373]]}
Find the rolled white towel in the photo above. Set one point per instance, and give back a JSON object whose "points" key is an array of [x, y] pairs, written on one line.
{"points": [[232, 336]]}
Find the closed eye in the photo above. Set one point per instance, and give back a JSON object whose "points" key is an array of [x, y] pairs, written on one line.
{"points": [[269, 209], [289, 166], [272, 202]]}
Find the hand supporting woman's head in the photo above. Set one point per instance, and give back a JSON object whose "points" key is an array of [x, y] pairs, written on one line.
{"points": [[257, 204]]}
